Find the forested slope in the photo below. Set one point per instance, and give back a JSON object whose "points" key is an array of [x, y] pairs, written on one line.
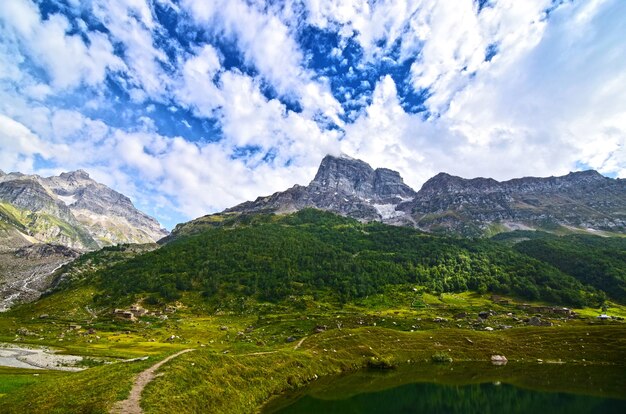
{"points": [[311, 252]]}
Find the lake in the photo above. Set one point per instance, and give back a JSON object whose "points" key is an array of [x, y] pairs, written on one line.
{"points": [[464, 388]]}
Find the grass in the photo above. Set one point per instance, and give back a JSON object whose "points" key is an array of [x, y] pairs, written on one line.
{"points": [[241, 383], [13, 379], [90, 391], [239, 368]]}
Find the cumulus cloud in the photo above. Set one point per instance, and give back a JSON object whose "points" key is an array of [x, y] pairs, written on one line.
{"points": [[516, 88], [19, 146], [268, 44], [543, 110], [68, 59], [132, 25]]}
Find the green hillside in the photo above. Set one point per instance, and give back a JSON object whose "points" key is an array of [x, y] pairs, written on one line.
{"points": [[596, 261], [315, 253]]}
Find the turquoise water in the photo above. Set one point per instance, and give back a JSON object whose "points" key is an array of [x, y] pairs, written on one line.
{"points": [[553, 390]]}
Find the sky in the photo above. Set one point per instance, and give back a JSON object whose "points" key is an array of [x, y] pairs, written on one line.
{"points": [[192, 106]]}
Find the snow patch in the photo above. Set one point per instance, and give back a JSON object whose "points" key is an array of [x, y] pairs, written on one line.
{"points": [[68, 200], [387, 211]]}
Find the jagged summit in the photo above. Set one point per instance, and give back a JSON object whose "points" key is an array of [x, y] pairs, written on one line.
{"points": [[78, 174], [91, 214], [454, 183], [46, 222], [343, 185], [582, 200]]}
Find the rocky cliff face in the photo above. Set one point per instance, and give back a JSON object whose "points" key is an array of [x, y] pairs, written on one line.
{"points": [[46, 222], [342, 185], [110, 217], [583, 200], [73, 210], [27, 271], [580, 201]]}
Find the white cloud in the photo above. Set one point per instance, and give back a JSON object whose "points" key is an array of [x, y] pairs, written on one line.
{"points": [[552, 105], [268, 44], [196, 87], [131, 24], [67, 59], [551, 100], [19, 146]]}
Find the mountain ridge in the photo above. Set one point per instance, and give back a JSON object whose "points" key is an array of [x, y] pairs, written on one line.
{"points": [[100, 215], [46, 222], [584, 201]]}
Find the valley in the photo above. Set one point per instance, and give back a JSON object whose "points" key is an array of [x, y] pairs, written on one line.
{"points": [[317, 285], [312, 207], [257, 335], [242, 359]]}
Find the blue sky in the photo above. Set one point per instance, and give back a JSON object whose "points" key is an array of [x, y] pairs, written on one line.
{"points": [[192, 106]]}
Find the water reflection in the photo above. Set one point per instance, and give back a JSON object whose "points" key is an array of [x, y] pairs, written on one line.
{"points": [[465, 388]]}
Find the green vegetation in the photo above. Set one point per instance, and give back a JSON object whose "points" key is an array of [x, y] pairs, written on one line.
{"points": [[596, 261], [441, 357], [311, 252], [13, 216], [89, 391], [272, 303], [31, 223], [238, 369]]}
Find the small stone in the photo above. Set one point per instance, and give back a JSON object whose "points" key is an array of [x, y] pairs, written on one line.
{"points": [[499, 360]]}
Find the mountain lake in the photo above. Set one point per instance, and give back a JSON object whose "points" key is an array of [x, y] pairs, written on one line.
{"points": [[464, 388]]}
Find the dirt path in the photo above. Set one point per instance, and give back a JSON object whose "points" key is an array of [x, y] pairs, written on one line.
{"points": [[300, 343], [131, 404]]}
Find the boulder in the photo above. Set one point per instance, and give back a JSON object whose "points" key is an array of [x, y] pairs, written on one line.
{"points": [[537, 321], [499, 360]]}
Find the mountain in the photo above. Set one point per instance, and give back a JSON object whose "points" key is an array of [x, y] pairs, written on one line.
{"points": [[580, 201], [342, 185], [46, 222], [71, 210]]}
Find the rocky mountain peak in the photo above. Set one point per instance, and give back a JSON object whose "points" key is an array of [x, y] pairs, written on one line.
{"points": [[345, 175], [343, 185], [78, 174], [444, 182], [91, 213], [69, 181], [349, 176], [585, 176], [584, 200]]}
